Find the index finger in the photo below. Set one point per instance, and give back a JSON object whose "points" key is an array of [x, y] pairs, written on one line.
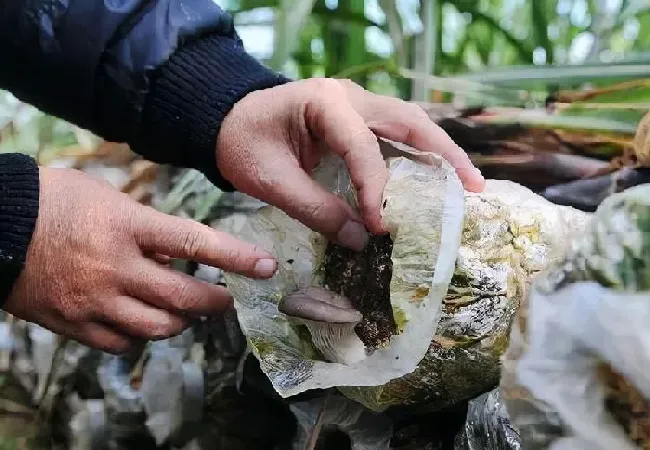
{"points": [[333, 119], [190, 240], [397, 120]]}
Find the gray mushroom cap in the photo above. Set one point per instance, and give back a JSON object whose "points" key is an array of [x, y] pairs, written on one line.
{"points": [[331, 320], [319, 305]]}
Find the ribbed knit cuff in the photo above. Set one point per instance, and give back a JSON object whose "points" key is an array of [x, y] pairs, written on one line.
{"points": [[190, 97], [19, 191]]}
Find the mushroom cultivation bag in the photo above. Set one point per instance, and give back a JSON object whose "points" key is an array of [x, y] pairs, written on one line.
{"points": [[576, 373], [423, 209]]}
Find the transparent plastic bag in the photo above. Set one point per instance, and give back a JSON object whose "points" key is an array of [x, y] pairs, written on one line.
{"points": [[488, 426], [423, 208], [366, 430], [575, 375], [509, 235]]}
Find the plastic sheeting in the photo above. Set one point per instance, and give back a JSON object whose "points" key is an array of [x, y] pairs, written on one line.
{"points": [[488, 426], [509, 235], [366, 430], [575, 375], [423, 210]]}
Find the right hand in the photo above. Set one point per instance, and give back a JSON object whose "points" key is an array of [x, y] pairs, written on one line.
{"points": [[96, 272], [272, 139]]}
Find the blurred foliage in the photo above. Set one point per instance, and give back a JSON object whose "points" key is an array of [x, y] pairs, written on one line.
{"points": [[372, 40], [471, 52], [25, 129], [18, 427]]}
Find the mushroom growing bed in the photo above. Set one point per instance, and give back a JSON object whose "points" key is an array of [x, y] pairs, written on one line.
{"points": [[364, 278]]}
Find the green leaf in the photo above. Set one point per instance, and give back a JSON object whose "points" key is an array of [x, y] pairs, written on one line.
{"points": [[627, 104], [533, 119], [185, 187], [290, 17], [319, 11], [206, 203], [521, 76], [464, 86], [524, 52], [540, 29]]}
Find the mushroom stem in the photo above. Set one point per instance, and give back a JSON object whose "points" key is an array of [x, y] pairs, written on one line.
{"points": [[338, 342]]}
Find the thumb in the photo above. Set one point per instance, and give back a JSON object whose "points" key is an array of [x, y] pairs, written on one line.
{"points": [[190, 240], [303, 199]]}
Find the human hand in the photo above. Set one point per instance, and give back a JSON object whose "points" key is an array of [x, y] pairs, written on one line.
{"points": [[96, 271], [272, 140]]}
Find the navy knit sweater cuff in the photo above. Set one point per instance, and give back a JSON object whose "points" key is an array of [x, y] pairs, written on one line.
{"points": [[190, 97], [19, 191]]}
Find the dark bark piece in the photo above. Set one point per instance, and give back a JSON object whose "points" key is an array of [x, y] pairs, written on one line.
{"points": [[587, 194], [364, 278]]}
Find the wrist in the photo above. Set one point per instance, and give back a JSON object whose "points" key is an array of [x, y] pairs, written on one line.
{"points": [[192, 95]]}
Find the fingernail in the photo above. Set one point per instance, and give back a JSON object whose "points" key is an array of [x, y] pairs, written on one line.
{"points": [[353, 235], [265, 267]]}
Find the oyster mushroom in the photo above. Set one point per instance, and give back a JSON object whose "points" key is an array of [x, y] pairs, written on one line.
{"points": [[330, 318]]}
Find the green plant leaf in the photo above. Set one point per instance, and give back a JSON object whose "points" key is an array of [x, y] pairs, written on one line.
{"points": [[524, 52], [527, 76], [535, 119]]}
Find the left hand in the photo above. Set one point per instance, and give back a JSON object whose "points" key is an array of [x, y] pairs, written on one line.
{"points": [[272, 140], [95, 267]]}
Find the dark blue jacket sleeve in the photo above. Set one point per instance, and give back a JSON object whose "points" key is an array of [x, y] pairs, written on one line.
{"points": [[159, 75]]}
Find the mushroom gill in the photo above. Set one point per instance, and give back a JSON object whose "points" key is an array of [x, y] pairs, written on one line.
{"points": [[330, 319]]}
